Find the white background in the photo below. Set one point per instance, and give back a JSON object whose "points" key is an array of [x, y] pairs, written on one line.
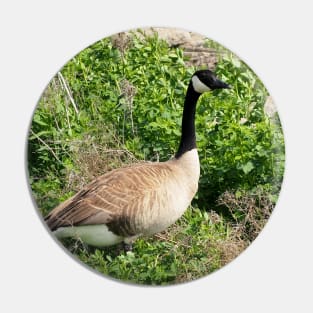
{"points": [[274, 38]]}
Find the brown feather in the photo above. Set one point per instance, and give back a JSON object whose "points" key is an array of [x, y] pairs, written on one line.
{"points": [[111, 197]]}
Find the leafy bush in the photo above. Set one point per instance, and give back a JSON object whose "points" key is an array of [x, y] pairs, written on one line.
{"points": [[237, 144]]}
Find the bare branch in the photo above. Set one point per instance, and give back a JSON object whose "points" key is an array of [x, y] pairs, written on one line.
{"points": [[64, 84], [46, 145]]}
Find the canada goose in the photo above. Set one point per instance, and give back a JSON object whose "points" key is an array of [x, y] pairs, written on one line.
{"points": [[142, 199]]}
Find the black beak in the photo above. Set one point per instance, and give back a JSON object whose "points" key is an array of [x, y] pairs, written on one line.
{"points": [[218, 84]]}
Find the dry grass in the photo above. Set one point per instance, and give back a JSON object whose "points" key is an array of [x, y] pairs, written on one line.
{"points": [[122, 41], [94, 156], [250, 211], [231, 246], [216, 248]]}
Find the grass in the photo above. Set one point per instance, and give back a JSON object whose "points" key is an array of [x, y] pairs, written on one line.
{"points": [[120, 101], [198, 243]]}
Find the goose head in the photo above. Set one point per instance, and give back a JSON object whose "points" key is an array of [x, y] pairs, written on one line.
{"points": [[205, 80]]}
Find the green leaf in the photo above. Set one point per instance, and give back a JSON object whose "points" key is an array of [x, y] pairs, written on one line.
{"points": [[248, 167]]}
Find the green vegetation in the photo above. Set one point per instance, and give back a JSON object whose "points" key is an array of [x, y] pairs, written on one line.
{"points": [[120, 101]]}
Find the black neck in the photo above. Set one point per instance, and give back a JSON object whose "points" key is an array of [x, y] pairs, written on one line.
{"points": [[188, 136]]}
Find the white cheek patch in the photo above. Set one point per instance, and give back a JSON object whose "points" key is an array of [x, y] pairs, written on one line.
{"points": [[198, 85]]}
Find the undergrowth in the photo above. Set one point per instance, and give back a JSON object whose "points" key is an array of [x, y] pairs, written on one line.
{"points": [[120, 101], [174, 256]]}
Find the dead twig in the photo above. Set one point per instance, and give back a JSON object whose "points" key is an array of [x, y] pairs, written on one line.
{"points": [[65, 86], [46, 145], [172, 241]]}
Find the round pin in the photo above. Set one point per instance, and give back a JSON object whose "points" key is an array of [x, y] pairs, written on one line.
{"points": [[155, 156]]}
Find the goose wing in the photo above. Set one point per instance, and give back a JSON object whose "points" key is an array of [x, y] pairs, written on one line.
{"points": [[109, 198]]}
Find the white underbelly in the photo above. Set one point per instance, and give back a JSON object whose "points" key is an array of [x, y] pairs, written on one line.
{"points": [[93, 235]]}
